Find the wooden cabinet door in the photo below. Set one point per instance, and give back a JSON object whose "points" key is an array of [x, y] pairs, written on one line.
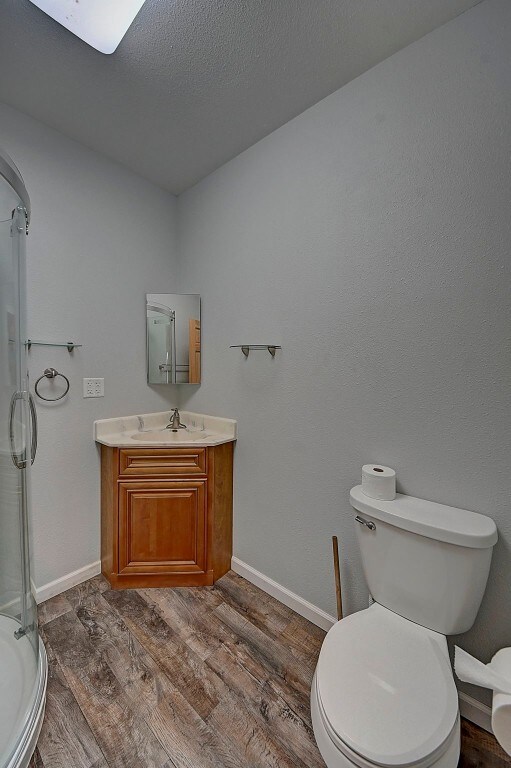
{"points": [[162, 527]]}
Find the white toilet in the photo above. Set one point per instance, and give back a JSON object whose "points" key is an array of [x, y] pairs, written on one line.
{"points": [[383, 692]]}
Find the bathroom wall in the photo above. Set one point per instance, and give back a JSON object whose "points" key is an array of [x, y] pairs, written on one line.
{"points": [[100, 239], [370, 237]]}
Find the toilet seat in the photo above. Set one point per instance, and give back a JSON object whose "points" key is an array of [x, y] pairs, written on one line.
{"points": [[385, 691]]}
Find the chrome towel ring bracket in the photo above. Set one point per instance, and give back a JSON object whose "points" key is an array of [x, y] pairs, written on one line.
{"points": [[51, 373]]}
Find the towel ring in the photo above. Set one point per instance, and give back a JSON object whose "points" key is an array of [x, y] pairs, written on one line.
{"points": [[51, 373]]}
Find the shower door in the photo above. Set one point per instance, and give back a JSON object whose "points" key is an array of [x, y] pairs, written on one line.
{"points": [[22, 662]]}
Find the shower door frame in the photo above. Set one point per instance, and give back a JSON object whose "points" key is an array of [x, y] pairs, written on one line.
{"points": [[23, 460], [16, 182], [30, 728]]}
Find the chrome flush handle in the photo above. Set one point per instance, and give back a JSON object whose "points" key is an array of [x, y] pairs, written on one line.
{"points": [[368, 523]]}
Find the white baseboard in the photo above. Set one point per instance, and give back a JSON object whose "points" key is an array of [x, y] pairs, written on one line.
{"points": [[282, 594], [66, 582], [475, 711]]}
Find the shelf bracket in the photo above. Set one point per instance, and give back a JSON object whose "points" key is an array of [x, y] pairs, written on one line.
{"points": [[245, 348], [70, 345]]}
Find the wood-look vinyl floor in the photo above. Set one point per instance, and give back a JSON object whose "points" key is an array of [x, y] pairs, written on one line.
{"points": [[210, 677]]}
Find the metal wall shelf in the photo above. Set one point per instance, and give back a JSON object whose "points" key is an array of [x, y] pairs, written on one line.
{"points": [[71, 345], [245, 348]]}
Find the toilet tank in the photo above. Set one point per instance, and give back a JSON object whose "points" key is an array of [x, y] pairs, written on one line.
{"points": [[425, 561]]}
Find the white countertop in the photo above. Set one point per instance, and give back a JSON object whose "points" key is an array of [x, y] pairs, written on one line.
{"points": [[148, 430]]}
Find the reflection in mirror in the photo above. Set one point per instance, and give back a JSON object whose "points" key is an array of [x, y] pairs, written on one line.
{"points": [[173, 338]]}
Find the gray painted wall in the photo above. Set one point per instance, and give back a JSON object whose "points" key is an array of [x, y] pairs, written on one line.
{"points": [[370, 237], [100, 239]]}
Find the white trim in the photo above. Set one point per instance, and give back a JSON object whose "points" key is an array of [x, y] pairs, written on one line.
{"points": [[475, 711], [66, 582], [295, 602]]}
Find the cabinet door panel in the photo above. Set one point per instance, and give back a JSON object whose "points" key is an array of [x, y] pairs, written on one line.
{"points": [[162, 527]]}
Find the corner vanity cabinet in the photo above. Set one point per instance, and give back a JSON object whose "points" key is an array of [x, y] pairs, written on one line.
{"points": [[166, 515]]}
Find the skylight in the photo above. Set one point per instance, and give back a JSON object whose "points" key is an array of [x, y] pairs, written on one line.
{"points": [[100, 23]]}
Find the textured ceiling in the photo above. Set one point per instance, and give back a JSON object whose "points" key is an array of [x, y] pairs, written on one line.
{"points": [[195, 82]]}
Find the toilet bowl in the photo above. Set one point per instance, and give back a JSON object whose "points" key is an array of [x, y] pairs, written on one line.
{"points": [[383, 694]]}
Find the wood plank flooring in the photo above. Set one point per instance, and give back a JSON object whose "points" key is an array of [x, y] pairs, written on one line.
{"points": [[210, 677]]}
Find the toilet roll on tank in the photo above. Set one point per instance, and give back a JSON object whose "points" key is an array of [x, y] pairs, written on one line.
{"points": [[379, 482]]}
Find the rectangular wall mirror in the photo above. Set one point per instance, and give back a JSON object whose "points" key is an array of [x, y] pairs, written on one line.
{"points": [[173, 338]]}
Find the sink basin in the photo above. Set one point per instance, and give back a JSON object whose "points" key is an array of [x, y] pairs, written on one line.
{"points": [[168, 436]]}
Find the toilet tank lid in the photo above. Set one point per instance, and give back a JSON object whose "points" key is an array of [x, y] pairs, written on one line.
{"points": [[427, 518]]}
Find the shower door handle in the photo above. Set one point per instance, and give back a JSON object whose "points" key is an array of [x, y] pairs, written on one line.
{"points": [[18, 459], [34, 430]]}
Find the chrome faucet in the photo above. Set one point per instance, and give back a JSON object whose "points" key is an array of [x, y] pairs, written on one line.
{"points": [[175, 421]]}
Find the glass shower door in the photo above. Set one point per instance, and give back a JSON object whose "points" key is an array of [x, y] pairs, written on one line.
{"points": [[21, 668]]}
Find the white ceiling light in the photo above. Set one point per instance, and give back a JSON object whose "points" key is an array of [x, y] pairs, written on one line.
{"points": [[100, 23]]}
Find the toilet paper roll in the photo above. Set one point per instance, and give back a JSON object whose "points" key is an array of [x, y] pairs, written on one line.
{"points": [[495, 675], [473, 671], [501, 709], [501, 720], [379, 482]]}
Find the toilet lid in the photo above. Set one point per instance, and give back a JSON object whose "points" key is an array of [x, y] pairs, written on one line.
{"points": [[385, 687]]}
